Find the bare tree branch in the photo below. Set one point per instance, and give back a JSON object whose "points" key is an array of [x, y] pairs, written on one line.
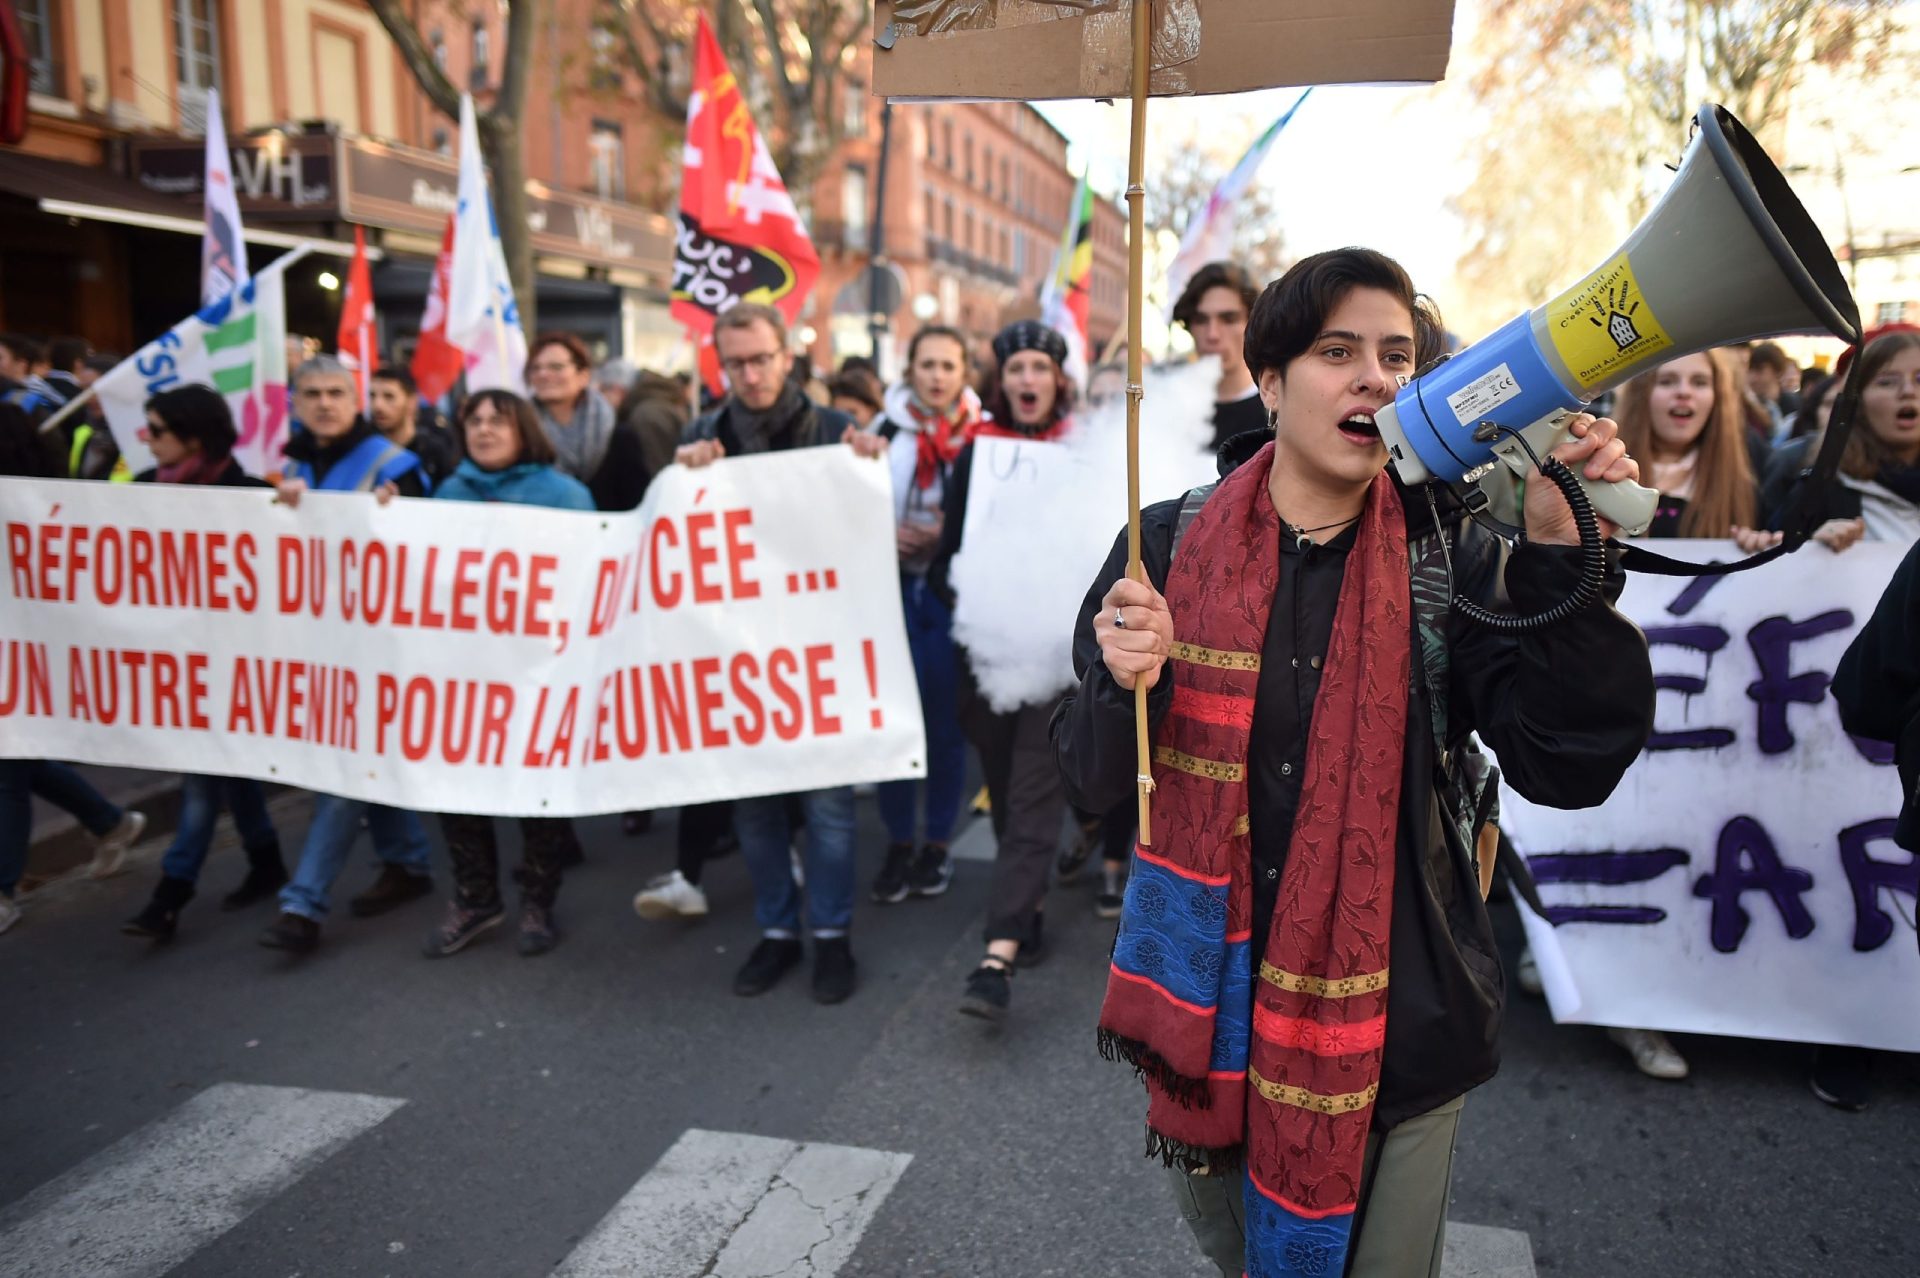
{"points": [[419, 58]]}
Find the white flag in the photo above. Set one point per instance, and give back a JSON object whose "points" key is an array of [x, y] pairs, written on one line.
{"points": [[238, 346], [483, 319], [223, 248]]}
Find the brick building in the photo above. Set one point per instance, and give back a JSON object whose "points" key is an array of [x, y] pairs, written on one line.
{"points": [[328, 131]]}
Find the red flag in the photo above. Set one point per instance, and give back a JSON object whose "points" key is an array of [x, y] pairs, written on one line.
{"points": [[740, 235], [436, 361], [356, 342]]}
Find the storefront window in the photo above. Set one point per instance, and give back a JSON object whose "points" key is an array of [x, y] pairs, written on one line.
{"points": [[853, 203], [609, 160]]}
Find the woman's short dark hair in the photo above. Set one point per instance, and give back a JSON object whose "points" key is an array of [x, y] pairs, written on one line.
{"points": [[534, 445], [1292, 310], [576, 349], [196, 412], [858, 385], [1209, 277]]}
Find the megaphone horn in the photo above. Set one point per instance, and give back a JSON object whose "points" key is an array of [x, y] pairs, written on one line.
{"points": [[1728, 255]]}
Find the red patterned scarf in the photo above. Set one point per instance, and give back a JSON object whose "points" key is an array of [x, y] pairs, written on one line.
{"points": [[941, 437], [1268, 1057]]}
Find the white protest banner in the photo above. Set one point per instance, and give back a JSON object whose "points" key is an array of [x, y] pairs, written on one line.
{"points": [[739, 634], [1041, 518], [1743, 879]]}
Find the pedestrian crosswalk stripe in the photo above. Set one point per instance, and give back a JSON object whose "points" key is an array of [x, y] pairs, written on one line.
{"points": [[1481, 1251], [731, 1205], [144, 1204]]}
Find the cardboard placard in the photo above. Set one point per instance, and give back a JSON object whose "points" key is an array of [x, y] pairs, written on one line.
{"points": [[1036, 50]]}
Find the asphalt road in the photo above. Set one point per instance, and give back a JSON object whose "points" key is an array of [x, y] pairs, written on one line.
{"points": [[209, 1107]]}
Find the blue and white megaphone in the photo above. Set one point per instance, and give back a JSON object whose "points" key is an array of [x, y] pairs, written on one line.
{"points": [[1728, 255]]}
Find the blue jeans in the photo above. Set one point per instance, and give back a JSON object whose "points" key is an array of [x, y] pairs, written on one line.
{"points": [[765, 843], [201, 798], [936, 666], [57, 783], [398, 837]]}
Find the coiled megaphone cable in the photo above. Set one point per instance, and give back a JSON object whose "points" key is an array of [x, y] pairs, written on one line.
{"points": [[1593, 547]]}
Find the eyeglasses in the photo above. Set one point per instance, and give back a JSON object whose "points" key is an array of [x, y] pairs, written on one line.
{"points": [[156, 429], [490, 422], [755, 364]]}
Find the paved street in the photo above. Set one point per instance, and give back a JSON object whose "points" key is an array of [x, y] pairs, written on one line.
{"points": [[212, 1108]]}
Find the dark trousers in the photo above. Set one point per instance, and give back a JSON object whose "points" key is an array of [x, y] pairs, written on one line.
{"points": [[475, 851], [1029, 803], [703, 826]]}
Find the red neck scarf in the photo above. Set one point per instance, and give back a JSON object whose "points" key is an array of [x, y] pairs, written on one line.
{"points": [[1045, 434], [941, 437], [1265, 1052], [195, 468]]}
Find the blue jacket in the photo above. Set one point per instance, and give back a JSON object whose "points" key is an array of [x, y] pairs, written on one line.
{"points": [[527, 484], [357, 462]]}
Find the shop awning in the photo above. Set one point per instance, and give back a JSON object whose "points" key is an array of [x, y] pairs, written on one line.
{"points": [[75, 190]]}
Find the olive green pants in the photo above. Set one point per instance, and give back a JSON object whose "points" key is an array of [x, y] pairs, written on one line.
{"points": [[1401, 1225]]}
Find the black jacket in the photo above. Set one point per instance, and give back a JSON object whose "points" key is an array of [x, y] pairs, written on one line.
{"points": [[307, 447], [1877, 685], [808, 426], [232, 477], [1566, 709]]}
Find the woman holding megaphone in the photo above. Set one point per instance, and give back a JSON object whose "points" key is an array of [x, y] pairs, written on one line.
{"points": [[1304, 973]]}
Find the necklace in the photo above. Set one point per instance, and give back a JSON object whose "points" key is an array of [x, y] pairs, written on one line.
{"points": [[1303, 537]]}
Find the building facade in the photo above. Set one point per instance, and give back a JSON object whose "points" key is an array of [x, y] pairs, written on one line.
{"points": [[328, 131]]}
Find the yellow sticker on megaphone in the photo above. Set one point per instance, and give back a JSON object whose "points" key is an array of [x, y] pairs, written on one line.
{"points": [[1602, 326]]}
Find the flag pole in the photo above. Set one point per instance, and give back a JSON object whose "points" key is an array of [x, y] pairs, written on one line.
{"points": [[1136, 305]]}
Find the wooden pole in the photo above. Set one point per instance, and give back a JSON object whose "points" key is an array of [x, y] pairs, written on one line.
{"points": [[1136, 305]]}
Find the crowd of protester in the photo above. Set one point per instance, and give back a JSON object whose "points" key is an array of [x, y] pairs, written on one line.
{"points": [[1725, 435]]}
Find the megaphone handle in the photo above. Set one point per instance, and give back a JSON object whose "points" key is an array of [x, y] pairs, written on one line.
{"points": [[1624, 502]]}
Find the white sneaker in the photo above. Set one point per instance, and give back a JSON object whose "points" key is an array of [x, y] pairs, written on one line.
{"points": [[110, 853], [9, 913], [1652, 1054], [671, 896], [1527, 973]]}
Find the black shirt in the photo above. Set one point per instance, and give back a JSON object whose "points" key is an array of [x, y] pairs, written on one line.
{"points": [[1235, 416]]}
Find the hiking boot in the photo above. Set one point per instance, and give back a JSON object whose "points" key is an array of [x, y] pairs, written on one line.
{"points": [[1075, 856], [772, 959], [295, 933], [989, 990], [9, 912], [537, 931], [162, 914], [890, 885], [1652, 1054], [832, 969], [395, 887], [670, 896], [110, 850], [462, 925], [264, 878], [931, 871], [1842, 1077]]}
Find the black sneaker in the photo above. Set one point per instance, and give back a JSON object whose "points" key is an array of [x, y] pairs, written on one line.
{"points": [[262, 881], [635, 824], [394, 887], [295, 933], [989, 990], [832, 969], [931, 871], [890, 885], [1074, 857], [162, 914], [1842, 1077], [772, 959], [1112, 896], [537, 932], [462, 925]]}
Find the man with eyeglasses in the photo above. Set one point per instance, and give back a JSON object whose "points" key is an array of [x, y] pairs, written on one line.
{"points": [[765, 411], [1214, 308]]}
